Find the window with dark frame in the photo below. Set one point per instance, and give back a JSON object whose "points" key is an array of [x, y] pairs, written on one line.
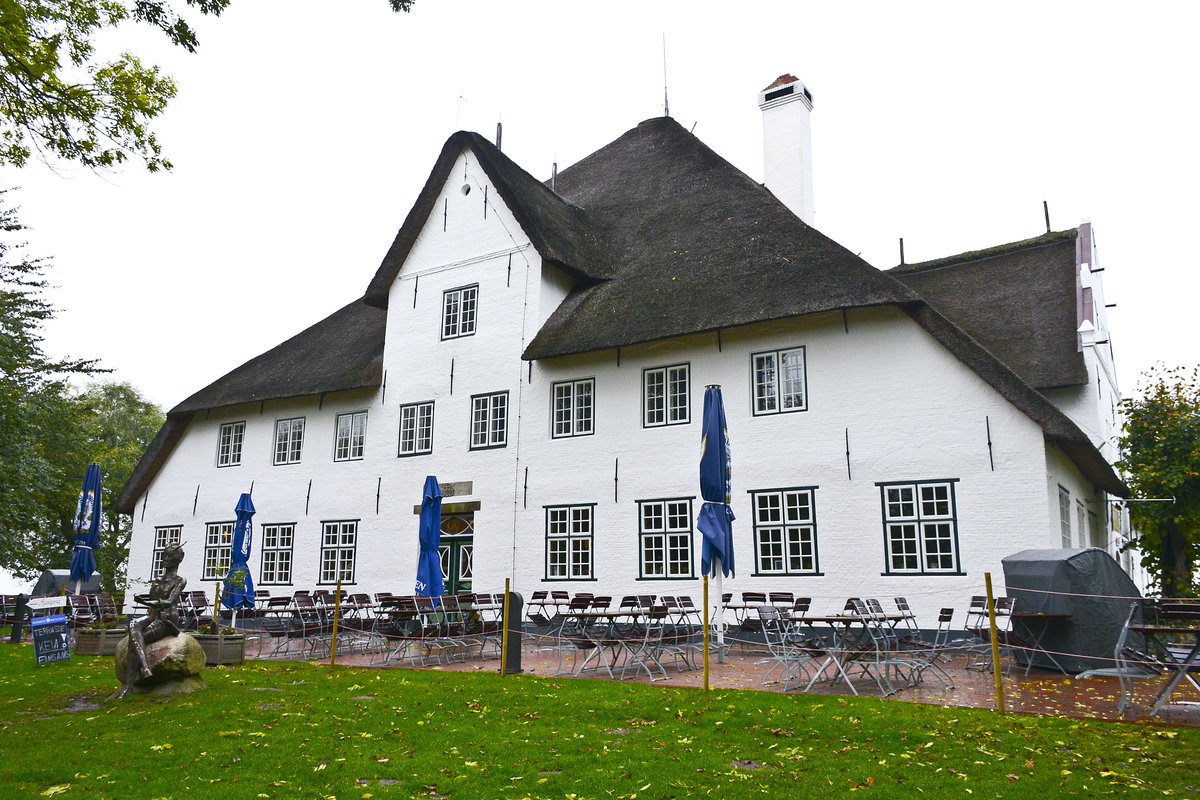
{"points": [[573, 407], [920, 527], [1064, 515], [277, 541], [351, 435], [339, 543], [569, 538], [416, 429], [785, 532], [666, 395], [458, 311], [780, 381], [218, 547], [289, 440], [164, 536], [489, 420], [665, 538], [229, 444]]}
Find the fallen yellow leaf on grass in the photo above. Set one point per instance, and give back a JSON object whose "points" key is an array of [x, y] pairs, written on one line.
{"points": [[53, 790]]}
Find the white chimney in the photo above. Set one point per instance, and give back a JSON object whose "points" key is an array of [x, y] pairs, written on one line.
{"points": [[787, 144]]}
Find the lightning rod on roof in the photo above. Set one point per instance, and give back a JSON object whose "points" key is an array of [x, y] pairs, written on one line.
{"points": [[902, 251], [1046, 211], [499, 131], [666, 105]]}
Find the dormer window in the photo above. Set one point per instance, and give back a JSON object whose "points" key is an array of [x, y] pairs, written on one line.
{"points": [[458, 311]]}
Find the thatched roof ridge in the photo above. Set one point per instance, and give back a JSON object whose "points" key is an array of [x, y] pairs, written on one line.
{"points": [[557, 229], [1018, 300], [694, 245]]}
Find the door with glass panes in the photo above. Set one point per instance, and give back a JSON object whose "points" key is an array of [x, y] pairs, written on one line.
{"points": [[455, 551]]}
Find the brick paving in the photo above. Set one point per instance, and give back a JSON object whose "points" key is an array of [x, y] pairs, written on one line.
{"points": [[1041, 692]]}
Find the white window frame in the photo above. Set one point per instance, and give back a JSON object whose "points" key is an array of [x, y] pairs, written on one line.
{"points": [[572, 408], [666, 395], [276, 551], [665, 539], [230, 438], [776, 390], [460, 309], [920, 528], [489, 420], [164, 536], [289, 440], [339, 547], [570, 536], [1081, 523], [350, 436], [218, 549], [785, 531], [416, 429]]}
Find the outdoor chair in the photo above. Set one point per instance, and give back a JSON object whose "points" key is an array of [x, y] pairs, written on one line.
{"points": [[536, 612], [747, 622], [572, 637], [80, 613], [782, 655], [643, 647], [800, 607], [781, 599]]}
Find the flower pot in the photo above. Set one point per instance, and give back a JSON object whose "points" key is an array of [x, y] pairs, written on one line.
{"points": [[222, 648], [89, 642]]}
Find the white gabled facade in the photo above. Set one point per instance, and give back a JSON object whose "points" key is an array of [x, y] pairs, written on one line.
{"points": [[893, 434]]}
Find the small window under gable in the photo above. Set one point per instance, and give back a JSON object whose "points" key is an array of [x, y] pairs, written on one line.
{"points": [[459, 308]]}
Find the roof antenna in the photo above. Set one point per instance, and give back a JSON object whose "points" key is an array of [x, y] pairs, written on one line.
{"points": [[666, 105], [1046, 211], [499, 132]]}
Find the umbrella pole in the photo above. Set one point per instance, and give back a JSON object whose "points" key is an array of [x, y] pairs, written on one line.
{"points": [[706, 613], [720, 609]]}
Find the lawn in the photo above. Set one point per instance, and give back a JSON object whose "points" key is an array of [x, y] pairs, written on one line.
{"points": [[298, 730]]}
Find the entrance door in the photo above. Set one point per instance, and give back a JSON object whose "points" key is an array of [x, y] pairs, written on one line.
{"points": [[455, 551]]}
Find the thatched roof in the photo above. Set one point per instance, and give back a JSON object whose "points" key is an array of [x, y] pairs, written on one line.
{"points": [[342, 352], [1018, 300], [679, 227]]}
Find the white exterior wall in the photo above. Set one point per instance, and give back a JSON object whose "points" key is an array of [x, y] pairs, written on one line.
{"points": [[912, 412]]}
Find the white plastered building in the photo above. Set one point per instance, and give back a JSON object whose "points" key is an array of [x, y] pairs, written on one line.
{"points": [[543, 350]]}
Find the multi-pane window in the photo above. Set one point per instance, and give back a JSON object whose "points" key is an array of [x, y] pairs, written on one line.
{"points": [[569, 542], [665, 538], [458, 311], [277, 553], [350, 436], [573, 407], [416, 429], [229, 444], [163, 537], [1064, 515], [338, 544], [785, 532], [289, 439], [489, 420], [665, 396], [779, 381], [218, 546], [920, 527]]}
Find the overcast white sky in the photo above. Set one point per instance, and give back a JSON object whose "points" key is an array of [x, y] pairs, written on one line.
{"points": [[304, 130]]}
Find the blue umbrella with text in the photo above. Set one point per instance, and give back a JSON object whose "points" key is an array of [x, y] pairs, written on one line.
{"points": [[429, 565], [87, 527]]}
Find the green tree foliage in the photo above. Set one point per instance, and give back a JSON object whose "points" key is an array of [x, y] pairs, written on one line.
{"points": [[1160, 446], [33, 392], [61, 99]]}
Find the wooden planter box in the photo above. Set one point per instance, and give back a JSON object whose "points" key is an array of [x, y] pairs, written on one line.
{"points": [[222, 648], [98, 642]]}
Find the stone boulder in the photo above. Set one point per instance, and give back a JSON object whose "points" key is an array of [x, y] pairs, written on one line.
{"points": [[175, 663]]}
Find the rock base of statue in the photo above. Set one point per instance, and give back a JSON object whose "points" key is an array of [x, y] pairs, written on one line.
{"points": [[175, 665]]}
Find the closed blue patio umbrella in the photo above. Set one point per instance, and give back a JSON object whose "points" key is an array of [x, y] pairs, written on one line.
{"points": [[87, 527], [239, 586], [429, 565], [716, 517]]}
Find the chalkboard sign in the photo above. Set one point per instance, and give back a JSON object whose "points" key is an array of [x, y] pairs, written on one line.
{"points": [[50, 641]]}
